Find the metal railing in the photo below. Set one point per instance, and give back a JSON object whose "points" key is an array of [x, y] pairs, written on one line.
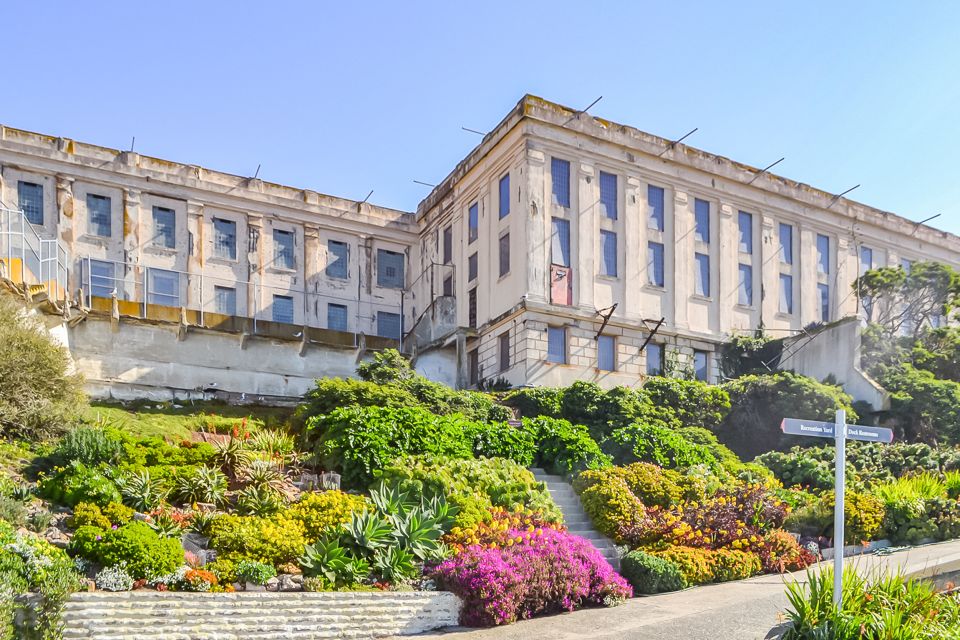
{"points": [[205, 294], [29, 259]]}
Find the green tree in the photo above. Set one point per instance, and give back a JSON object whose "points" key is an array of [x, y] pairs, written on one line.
{"points": [[904, 303]]}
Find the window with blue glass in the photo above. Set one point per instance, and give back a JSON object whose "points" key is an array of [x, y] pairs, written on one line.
{"points": [[745, 226], [655, 274], [504, 254], [607, 353], [608, 194], [866, 259], [100, 278], [504, 198], [823, 253], [163, 287], [824, 294], [786, 293], [473, 267], [98, 213], [701, 366], [390, 269], [473, 222], [560, 181], [164, 227], [283, 249], [702, 285], [906, 264], [655, 206], [786, 243], [225, 300], [654, 353], [701, 216], [560, 243], [557, 345], [30, 201], [608, 252], [745, 285], [337, 317], [389, 325], [282, 308], [225, 238], [338, 259]]}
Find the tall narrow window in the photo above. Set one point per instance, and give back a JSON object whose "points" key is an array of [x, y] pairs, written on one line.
{"points": [[745, 286], [654, 354], [504, 254], [786, 243], [448, 286], [703, 275], [225, 300], [473, 366], [608, 195], [655, 205], [655, 264], [701, 366], [448, 245], [701, 223], [473, 222], [823, 253], [165, 227], [557, 345], [390, 269], [225, 238], [824, 294], [608, 251], [560, 243], [607, 353], [389, 325], [906, 264], [338, 259], [100, 279], [866, 259], [745, 226], [283, 249], [786, 293], [560, 181], [98, 211], [30, 201], [504, 200], [282, 310], [503, 343], [473, 267], [163, 287], [472, 308], [337, 317]]}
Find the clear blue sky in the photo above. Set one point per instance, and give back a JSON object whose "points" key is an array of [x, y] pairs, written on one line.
{"points": [[347, 97]]}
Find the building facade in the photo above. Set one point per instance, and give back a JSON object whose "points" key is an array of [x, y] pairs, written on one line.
{"points": [[564, 247]]}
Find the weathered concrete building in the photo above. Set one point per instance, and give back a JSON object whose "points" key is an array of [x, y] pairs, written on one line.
{"points": [[563, 247]]}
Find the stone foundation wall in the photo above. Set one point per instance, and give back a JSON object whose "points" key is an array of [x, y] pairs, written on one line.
{"points": [[149, 615]]}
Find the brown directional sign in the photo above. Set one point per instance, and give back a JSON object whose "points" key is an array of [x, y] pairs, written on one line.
{"points": [[818, 429]]}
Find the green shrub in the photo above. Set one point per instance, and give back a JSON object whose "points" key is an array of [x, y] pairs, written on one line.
{"points": [[922, 406], [864, 517], [612, 506], [536, 401], [225, 570], [323, 512], [662, 446], [564, 448], [694, 403], [88, 444], [86, 514], [274, 540], [360, 440], [146, 554], [38, 396], [118, 513], [329, 394], [78, 483], [652, 485], [649, 574], [13, 511], [730, 564], [255, 572], [696, 565], [472, 485], [502, 440]]}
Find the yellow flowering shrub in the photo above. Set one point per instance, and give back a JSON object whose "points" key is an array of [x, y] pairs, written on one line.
{"points": [[696, 565], [735, 565], [493, 532], [268, 540], [319, 513], [612, 507]]}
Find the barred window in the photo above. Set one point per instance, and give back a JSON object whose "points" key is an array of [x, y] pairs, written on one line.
{"points": [[560, 181], [164, 227], [283, 256], [225, 300], [608, 195], [338, 259], [655, 202], [504, 254], [225, 238], [389, 325], [337, 317], [98, 212], [389, 269], [30, 201], [283, 309], [504, 202], [608, 252]]}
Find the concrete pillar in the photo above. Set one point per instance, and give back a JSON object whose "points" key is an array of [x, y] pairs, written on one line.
{"points": [[768, 251], [537, 227], [728, 258], [254, 243], [847, 270], [314, 307], [680, 285], [66, 230], [584, 241], [198, 292], [634, 248], [806, 259]]}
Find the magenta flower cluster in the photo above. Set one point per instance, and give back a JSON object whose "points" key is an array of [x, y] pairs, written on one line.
{"points": [[539, 572]]}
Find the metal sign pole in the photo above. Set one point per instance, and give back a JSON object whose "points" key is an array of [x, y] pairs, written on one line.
{"points": [[840, 437]]}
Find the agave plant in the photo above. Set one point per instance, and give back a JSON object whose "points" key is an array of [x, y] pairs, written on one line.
{"points": [[259, 501], [393, 564], [232, 455], [165, 526], [262, 473], [273, 442], [200, 521], [203, 484], [419, 533], [22, 492], [325, 558], [390, 500], [140, 491], [368, 531]]}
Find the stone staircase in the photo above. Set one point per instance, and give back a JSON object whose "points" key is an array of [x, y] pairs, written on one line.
{"points": [[576, 519]]}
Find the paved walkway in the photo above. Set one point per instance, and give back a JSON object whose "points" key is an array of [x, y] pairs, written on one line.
{"points": [[744, 610]]}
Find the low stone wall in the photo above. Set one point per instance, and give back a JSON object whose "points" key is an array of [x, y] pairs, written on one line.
{"points": [[148, 615]]}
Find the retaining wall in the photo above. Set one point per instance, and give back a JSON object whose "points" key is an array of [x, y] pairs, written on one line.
{"points": [[150, 615]]}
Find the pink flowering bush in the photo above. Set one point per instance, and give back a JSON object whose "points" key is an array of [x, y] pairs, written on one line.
{"points": [[535, 572]]}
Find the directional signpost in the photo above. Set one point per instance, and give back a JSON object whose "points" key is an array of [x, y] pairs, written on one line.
{"points": [[839, 431]]}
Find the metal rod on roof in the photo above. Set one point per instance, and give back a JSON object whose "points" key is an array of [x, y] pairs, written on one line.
{"points": [[678, 141], [577, 114], [479, 133], [840, 195], [766, 168], [916, 225], [368, 197], [426, 184], [133, 141], [257, 172]]}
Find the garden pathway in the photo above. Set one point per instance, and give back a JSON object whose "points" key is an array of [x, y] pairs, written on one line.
{"points": [[745, 610], [574, 517]]}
